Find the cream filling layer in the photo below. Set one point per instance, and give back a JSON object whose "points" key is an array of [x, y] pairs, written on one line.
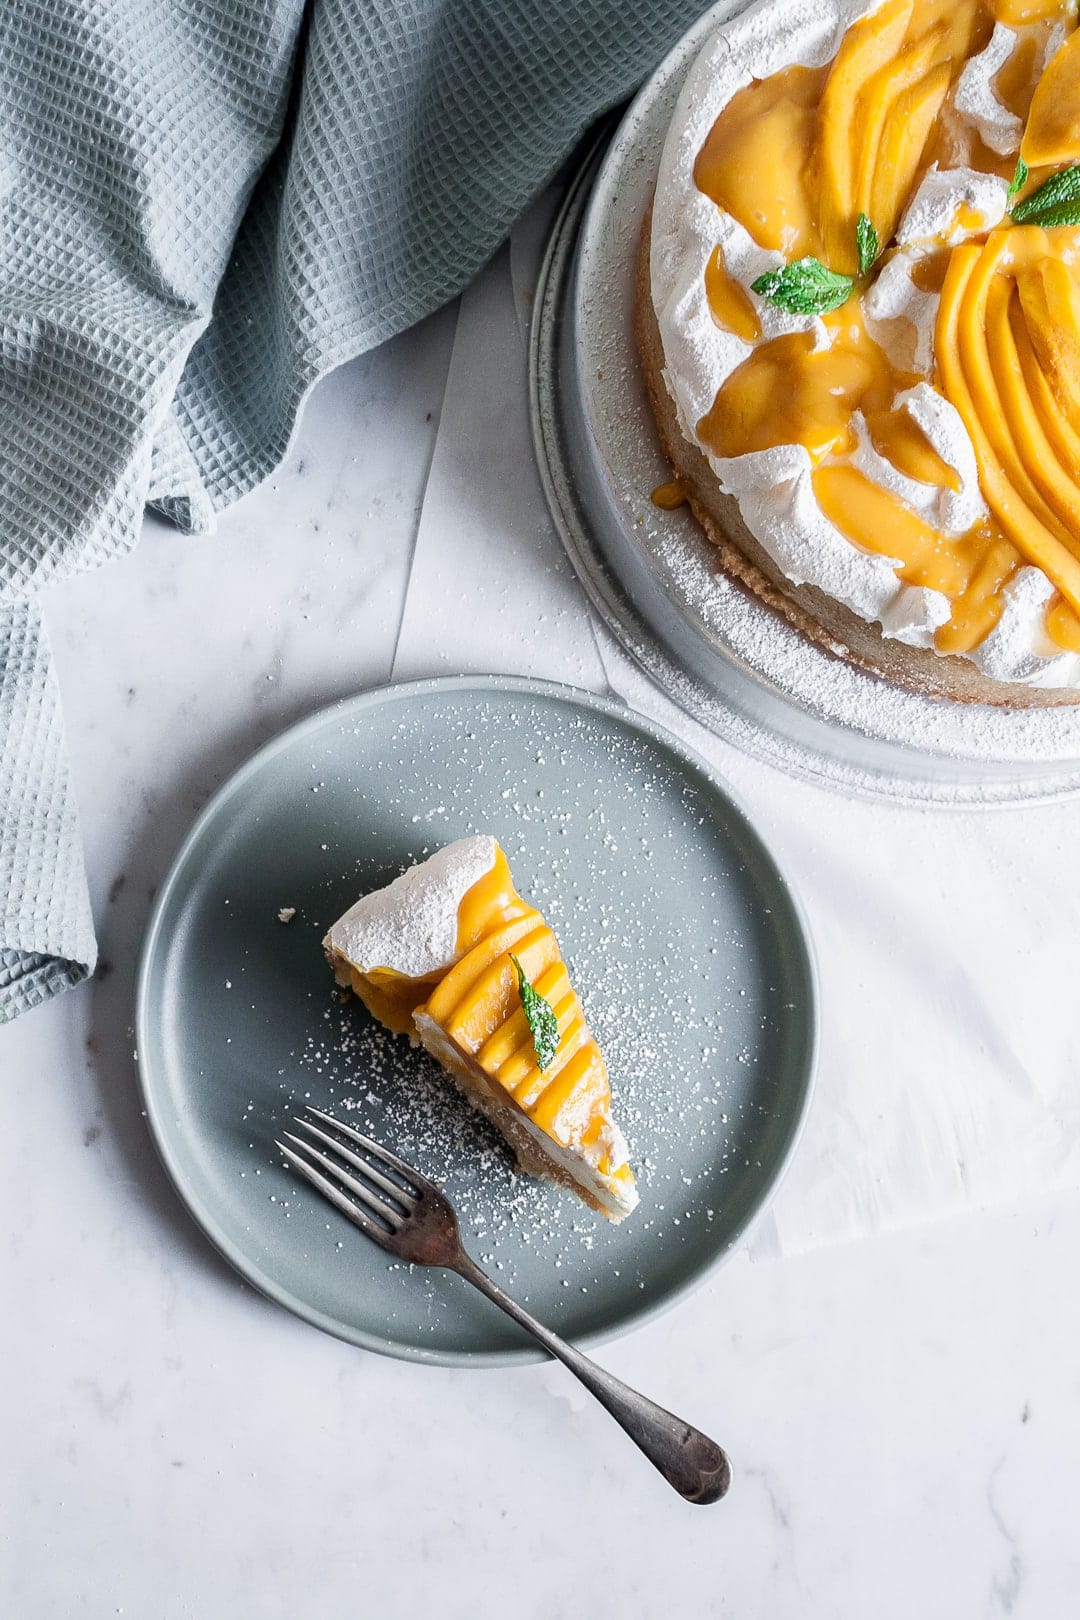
{"points": [[773, 487]]}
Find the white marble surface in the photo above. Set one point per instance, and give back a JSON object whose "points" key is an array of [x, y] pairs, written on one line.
{"points": [[902, 1408]]}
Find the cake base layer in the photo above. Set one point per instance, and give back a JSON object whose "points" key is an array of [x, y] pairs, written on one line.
{"points": [[826, 621]]}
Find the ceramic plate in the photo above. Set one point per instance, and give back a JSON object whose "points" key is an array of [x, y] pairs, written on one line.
{"points": [[683, 938]]}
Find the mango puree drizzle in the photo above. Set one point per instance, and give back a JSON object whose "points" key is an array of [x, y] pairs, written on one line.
{"points": [[478, 1005]]}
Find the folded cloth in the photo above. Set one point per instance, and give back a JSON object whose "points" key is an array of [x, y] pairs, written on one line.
{"points": [[46, 932], [204, 206]]}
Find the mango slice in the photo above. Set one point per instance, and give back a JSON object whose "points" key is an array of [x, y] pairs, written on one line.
{"points": [[755, 158], [1051, 303], [492, 895], [491, 950], [868, 47], [580, 1086], [1052, 135], [904, 139]]}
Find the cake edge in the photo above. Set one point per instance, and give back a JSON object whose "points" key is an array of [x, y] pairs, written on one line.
{"points": [[537, 1154]]}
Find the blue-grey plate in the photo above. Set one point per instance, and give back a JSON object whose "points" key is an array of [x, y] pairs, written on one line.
{"points": [[682, 936]]}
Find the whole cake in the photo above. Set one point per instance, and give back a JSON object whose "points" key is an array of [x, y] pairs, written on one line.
{"points": [[451, 955], [859, 321]]}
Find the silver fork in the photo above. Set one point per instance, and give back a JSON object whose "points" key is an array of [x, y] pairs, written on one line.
{"points": [[414, 1220]]}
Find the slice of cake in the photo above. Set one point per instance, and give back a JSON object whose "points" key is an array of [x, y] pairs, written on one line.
{"points": [[451, 955]]}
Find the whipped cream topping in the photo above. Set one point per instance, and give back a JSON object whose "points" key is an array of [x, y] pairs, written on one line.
{"points": [[773, 487], [945, 197], [975, 100], [411, 926]]}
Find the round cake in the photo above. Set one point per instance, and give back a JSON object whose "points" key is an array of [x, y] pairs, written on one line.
{"points": [[859, 321]]}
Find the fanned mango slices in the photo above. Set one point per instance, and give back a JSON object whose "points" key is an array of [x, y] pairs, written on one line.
{"points": [[1019, 399], [869, 48], [797, 158], [824, 145], [878, 111], [1050, 299], [896, 159]]}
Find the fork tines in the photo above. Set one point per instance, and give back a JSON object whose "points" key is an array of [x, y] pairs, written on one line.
{"points": [[326, 1171]]}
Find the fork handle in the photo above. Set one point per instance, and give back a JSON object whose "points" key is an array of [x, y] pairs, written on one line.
{"points": [[691, 1462]]}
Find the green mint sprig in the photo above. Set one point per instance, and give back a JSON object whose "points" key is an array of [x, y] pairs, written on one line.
{"points": [[806, 287], [1055, 202], [866, 240], [540, 1017], [1019, 179], [809, 287]]}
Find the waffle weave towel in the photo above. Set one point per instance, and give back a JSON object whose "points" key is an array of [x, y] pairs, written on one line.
{"points": [[205, 205]]}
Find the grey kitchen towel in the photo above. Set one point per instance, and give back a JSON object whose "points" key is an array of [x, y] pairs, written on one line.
{"points": [[205, 205]]}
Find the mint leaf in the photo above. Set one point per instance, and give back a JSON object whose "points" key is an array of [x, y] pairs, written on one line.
{"points": [[806, 287], [540, 1017], [1055, 202], [866, 240], [1019, 179]]}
